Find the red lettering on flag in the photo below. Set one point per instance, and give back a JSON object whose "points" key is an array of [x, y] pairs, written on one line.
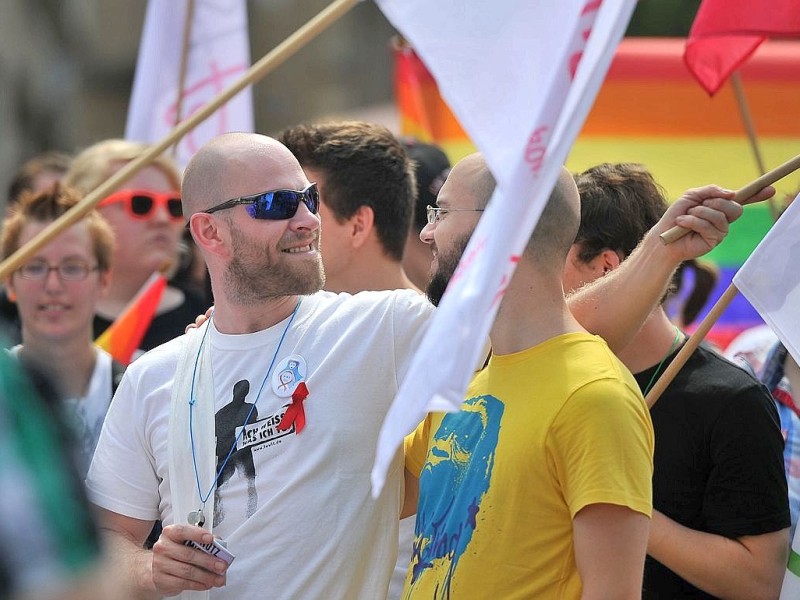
{"points": [[535, 148], [514, 259], [575, 59]]}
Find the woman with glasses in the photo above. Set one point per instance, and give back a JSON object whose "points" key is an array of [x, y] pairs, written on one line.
{"points": [[56, 291], [145, 215]]}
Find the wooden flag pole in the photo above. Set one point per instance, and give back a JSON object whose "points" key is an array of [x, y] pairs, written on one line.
{"points": [[747, 120], [750, 128], [186, 47], [744, 194], [691, 345], [266, 64]]}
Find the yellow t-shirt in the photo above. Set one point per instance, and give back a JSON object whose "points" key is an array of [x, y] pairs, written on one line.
{"points": [[542, 434]]}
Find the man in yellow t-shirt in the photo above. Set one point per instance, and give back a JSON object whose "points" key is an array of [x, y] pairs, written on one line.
{"points": [[540, 487]]}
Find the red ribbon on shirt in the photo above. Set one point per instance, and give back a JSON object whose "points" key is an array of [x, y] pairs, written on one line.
{"points": [[295, 413]]}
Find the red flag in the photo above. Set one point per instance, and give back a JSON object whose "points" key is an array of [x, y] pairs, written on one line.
{"points": [[726, 32], [124, 335]]}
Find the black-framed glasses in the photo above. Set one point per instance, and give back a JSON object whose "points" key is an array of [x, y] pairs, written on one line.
{"points": [[435, 213], [274, 205], [69, 270]]}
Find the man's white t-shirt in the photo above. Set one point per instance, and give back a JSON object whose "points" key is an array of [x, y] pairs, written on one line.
{"points": [[319, 534]]}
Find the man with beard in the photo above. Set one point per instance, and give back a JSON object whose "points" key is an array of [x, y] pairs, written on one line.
{"points": [[320, 369], [540, 487]]}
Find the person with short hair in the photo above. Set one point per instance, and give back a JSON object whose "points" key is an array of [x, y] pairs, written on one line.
{"points": [[146, 216], [367, 189], [56, 291], [720, 519], [540, 486]]}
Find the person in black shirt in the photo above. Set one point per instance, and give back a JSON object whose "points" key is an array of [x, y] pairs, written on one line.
{"points": [[721, 516]]}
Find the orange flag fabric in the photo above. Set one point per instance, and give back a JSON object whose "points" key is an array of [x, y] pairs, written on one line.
{"points": [[124, 335]]}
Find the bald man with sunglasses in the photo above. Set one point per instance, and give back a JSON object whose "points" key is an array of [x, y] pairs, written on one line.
{"points": [[271, 456]]}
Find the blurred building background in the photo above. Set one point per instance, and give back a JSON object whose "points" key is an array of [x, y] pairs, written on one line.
{"points": [[67, 66]]}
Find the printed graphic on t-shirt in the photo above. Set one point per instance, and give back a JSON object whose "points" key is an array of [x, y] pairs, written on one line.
{"points": [[453, 483], [240, 436]]}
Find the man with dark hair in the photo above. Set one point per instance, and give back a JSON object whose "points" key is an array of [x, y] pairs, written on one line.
{"points": [[364, 181], [431, 167], [367, 188], [720, 515]]}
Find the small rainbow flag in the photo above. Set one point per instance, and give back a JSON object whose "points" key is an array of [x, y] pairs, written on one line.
{"points": [[650, 110], [124, 335]]}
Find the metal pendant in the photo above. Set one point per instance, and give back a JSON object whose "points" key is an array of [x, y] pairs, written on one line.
{"points": [[197, 518]]}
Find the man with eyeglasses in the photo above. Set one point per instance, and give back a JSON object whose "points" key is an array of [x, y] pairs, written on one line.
{"points": [[274, 451], [56, 292], [540, 487]]}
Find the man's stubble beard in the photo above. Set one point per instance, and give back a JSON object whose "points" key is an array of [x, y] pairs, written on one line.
{"points": [[254, 274]]}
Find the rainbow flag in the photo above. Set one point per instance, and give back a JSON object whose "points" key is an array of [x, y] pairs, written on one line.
{"points": [[124, 335], [651, 110]]}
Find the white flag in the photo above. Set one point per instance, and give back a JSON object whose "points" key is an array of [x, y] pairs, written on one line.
{"points": [[219, 53], [791, 581], [521, 76], [770, 279]]}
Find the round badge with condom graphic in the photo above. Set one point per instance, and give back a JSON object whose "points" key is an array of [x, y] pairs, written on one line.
{"points": [[288, 374]]}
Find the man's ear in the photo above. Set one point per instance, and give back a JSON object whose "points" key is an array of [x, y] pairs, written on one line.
{"points": [[210, 233], [361, 224], [608, 260]]}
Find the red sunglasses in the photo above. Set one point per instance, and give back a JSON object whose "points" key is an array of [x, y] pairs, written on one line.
{"points": [[139, 204]]}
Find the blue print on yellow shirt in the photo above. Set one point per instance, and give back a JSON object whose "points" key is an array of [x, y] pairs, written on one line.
{"points": [[453, 482]]}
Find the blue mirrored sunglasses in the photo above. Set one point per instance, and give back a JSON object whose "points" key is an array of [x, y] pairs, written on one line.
{"points": [[274, 205]]}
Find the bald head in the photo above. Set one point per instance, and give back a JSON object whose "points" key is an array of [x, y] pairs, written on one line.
{"points": [[473, 176], [238, 164], [557, 226]]}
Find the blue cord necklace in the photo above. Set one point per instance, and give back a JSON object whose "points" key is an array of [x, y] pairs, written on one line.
{"points": [[197, 517]]}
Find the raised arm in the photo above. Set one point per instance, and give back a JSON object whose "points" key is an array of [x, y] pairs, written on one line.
{"points": [[616, 306]]}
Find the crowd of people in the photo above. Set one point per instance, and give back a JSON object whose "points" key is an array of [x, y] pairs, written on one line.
{"points": [[324, 253]]}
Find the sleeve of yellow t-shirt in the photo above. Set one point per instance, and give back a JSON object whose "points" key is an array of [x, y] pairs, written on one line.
{"points": [[600, 448]]}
